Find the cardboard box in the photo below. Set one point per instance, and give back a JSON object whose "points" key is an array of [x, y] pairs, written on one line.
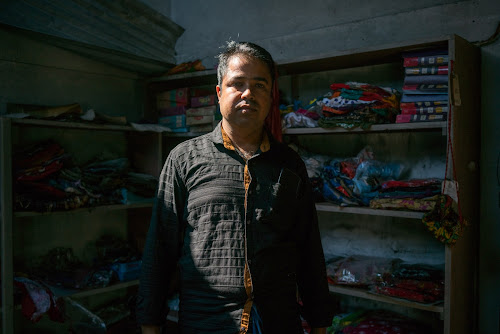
{"points": [[201, 111], [172, 111], [176, 121], [195, 120], [202, 101], [172, 98]]}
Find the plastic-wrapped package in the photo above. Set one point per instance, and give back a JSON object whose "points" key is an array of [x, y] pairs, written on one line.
{"points": [[371, 173], [296, 120], [416, 282], [81, 320], [37, 299], [360, 270]]}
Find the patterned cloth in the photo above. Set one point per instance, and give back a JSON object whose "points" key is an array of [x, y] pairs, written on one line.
{"points": [[444, 222]]}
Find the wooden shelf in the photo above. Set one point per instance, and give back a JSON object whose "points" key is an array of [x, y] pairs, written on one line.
{"points": [[328, 207], [61, 292], [184, 76], [71, 125], [373, 128], [386, 299], [97, 209], [89, 126], [183, 134]]}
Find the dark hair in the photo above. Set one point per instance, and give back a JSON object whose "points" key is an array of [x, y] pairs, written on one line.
{"points": [[247, 49]]}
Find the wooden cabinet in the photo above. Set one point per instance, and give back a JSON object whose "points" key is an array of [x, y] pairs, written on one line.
{"points": [[28, 234]]}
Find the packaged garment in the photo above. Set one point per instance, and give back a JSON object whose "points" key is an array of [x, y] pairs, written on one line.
{"points": [[202, 101], [173, 122], [359, 270], [172, 98]]}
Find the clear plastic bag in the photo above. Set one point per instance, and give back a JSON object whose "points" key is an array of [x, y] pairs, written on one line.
{"points": [[81, 320]]}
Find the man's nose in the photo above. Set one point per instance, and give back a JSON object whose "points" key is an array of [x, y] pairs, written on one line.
{"points": [[246, 92]]}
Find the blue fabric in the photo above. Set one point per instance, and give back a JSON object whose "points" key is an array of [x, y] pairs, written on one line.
{"points": [[255, 321]]}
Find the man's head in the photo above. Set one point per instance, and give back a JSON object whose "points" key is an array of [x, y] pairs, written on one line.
{"points": [[245, 86], [244, 49]]}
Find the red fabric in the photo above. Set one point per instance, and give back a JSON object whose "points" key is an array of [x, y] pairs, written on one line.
{"points": [[40, 172], [273, 119], [335, 86]]}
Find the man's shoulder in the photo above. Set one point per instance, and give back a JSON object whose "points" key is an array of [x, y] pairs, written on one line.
{"points": [[199, 144]]}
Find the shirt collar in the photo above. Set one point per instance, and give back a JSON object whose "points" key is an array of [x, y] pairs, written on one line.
{"points": [[226, 141]]}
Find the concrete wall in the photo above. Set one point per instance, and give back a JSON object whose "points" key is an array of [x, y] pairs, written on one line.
{"points": [[291, 29]]}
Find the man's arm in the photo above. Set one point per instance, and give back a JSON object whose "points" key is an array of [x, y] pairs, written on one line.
{"points": [[146, 329]]}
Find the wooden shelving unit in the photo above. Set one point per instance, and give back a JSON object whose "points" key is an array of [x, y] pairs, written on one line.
{"points": [[456, 140], [143, 149]]}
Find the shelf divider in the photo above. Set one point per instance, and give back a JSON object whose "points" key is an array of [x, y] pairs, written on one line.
{"points": [[329, 207], [349, 291]]}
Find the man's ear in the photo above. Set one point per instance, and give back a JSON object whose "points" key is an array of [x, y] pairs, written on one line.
{"points": [[218, 90]]}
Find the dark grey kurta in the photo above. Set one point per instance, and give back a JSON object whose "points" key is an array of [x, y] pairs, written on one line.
{"points": [[199, 223]]}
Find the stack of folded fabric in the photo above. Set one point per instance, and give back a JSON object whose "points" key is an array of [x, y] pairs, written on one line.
{"points": [[354, 104], [425, 90]]}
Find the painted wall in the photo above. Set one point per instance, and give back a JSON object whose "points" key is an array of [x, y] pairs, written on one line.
{"points": [[293, 29]]}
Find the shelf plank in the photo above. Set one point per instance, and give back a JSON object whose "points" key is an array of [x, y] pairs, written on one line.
{"points": [[60, 292], [184, 76], [71, 125], [385, 299], [373, 128], [97, 209], [328, 207]]}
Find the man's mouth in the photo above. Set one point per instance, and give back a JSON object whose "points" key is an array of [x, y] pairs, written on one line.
{"points": [[246, 107]]}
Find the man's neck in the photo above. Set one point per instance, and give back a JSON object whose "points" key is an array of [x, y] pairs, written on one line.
{"points": [[247, 140]]}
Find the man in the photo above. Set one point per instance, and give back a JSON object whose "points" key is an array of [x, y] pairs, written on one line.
{"points": [[234, 213]]}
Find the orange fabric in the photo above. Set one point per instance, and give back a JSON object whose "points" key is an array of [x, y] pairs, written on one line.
{"points": [[245, 317]]}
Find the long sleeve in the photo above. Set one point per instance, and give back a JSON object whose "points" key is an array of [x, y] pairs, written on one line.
{"points": [[311, 276], [162, 247]]}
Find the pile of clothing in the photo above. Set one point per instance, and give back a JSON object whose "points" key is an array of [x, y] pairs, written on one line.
{"points": [[365, 181], [45, 179], [355, 104], [347, 105]]}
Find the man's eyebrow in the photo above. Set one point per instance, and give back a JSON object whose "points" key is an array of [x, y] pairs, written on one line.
{"points": [[253, 78], [261, 79]]}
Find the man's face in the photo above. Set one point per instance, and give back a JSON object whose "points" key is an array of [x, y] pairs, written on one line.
{"points": [[245, 93]]}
